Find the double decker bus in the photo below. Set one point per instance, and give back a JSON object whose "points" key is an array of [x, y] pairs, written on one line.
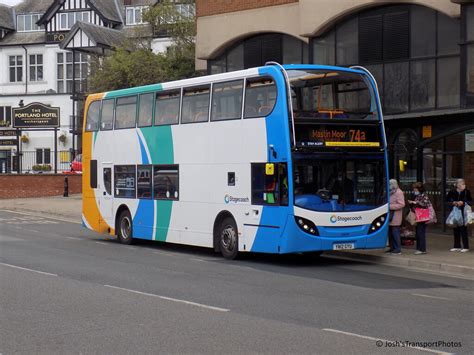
{"points": [[274, 159]]}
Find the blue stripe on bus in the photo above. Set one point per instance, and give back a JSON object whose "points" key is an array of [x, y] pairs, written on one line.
{"points": [[144, 216]]}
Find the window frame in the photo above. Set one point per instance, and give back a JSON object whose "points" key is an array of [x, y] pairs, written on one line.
{"points": [[139, 101], [116, 105], [210, 85], [99, 114], [150, 166], [36, 66], [242, 101], [115, 180], [15, 67], [278, 200], [113, 114], [163, 167], [180, 101], [263, 77]]}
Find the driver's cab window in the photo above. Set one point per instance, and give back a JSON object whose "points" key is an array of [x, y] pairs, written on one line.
{"points": [[269, 186]]}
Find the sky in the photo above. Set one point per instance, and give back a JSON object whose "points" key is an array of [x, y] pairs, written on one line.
{"points": [[9, 2]]}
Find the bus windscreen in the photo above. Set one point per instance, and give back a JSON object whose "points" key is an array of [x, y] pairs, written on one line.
{"points": [[331, 94]]}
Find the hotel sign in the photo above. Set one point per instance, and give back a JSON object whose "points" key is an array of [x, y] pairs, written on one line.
{"points": [[55, 37], [7, 133], [4, 142], [36, 115]]}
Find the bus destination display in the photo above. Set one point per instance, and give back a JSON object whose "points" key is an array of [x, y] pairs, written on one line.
{"points": [[321, 136]]}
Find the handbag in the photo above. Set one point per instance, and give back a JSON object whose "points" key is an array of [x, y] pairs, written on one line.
{"points": [[411, 218], [422, 214], [433, 219]]}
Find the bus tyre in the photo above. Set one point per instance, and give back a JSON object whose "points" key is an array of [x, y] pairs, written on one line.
{"points": [[228, 238], [124, 233]]}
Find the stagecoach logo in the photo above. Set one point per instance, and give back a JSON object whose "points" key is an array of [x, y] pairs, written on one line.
{"points": [[335, 218], [231, 199]]}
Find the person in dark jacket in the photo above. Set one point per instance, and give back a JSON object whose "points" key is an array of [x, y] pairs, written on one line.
{"points": [[459, 197], [421, 201]]}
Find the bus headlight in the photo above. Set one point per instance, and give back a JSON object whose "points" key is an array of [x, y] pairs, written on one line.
{"points": [[306, 225], [377, 223]]}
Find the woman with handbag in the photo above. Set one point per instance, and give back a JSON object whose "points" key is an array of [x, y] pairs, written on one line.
{"points": [[420, 206], [397, 202], [459, 197]]}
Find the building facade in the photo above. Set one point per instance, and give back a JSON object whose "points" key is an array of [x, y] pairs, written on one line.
{"points": [[45, 49], [421, 53]]}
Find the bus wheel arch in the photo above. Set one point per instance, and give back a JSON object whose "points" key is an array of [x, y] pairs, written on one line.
{"points": [[124, 225], [225, 225]]}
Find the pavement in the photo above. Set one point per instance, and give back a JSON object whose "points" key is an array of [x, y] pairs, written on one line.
{"points": [[67, 290], [438, 259]]}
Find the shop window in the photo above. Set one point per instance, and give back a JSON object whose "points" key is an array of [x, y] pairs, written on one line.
{"points": [[235, 58], [218, 65], [396, 87], [195, 104], [448, 35], [422, 86], [166, 182], [145, 111], [167, 107], [470, 69], [396, 35], [227, 100], [144, 173], [292, 50], [370, 38], [406, 159], [125, 176], [422, 32], [448, 82], [347, 42], [126, 112], [93, 114], [469, 22], [260, 97], [107, 115], [323, 49]]}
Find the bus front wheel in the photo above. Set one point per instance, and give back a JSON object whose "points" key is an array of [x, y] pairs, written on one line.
{"points": [[228, 238], [124, 233]]}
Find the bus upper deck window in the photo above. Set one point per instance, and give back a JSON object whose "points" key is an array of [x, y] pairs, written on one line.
{"points": [[260, 97], [92, 120], [107, 115]]}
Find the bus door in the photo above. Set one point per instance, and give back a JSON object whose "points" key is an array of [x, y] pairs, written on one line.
{"points": [[105, 191]]}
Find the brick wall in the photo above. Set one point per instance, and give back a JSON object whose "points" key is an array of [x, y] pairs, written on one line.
{"points": [[37, 185], [214, 7]]}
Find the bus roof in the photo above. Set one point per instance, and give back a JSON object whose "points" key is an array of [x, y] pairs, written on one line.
{"points": [[221, 77]]}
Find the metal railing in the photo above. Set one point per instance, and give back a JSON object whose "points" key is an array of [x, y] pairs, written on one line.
{"points": [[41, 161]]}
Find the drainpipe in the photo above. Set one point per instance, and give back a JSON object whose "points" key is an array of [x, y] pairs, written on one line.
{"points": [[26, 69]]}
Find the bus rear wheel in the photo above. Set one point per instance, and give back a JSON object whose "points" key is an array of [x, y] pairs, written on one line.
{"points": [[228, 238], [124, 233]]}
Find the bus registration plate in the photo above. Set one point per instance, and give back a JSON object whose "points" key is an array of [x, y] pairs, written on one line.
{"points": [[343, 246]]}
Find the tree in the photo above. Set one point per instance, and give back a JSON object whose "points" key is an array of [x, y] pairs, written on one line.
{"points": [[135, 64]]}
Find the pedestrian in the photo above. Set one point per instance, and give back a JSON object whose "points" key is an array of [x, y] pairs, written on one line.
{"points": [[420, 201], [397, 202], [459, 197]]}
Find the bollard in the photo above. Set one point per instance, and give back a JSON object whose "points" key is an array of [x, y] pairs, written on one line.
{"points": [[66, 187]]}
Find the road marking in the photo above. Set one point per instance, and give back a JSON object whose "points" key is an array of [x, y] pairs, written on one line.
{"points": [[384, 340], [26, 269], [42, 216], [102, 243], [163, 253], [429, 296], [196, 259], [171, 299]]}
